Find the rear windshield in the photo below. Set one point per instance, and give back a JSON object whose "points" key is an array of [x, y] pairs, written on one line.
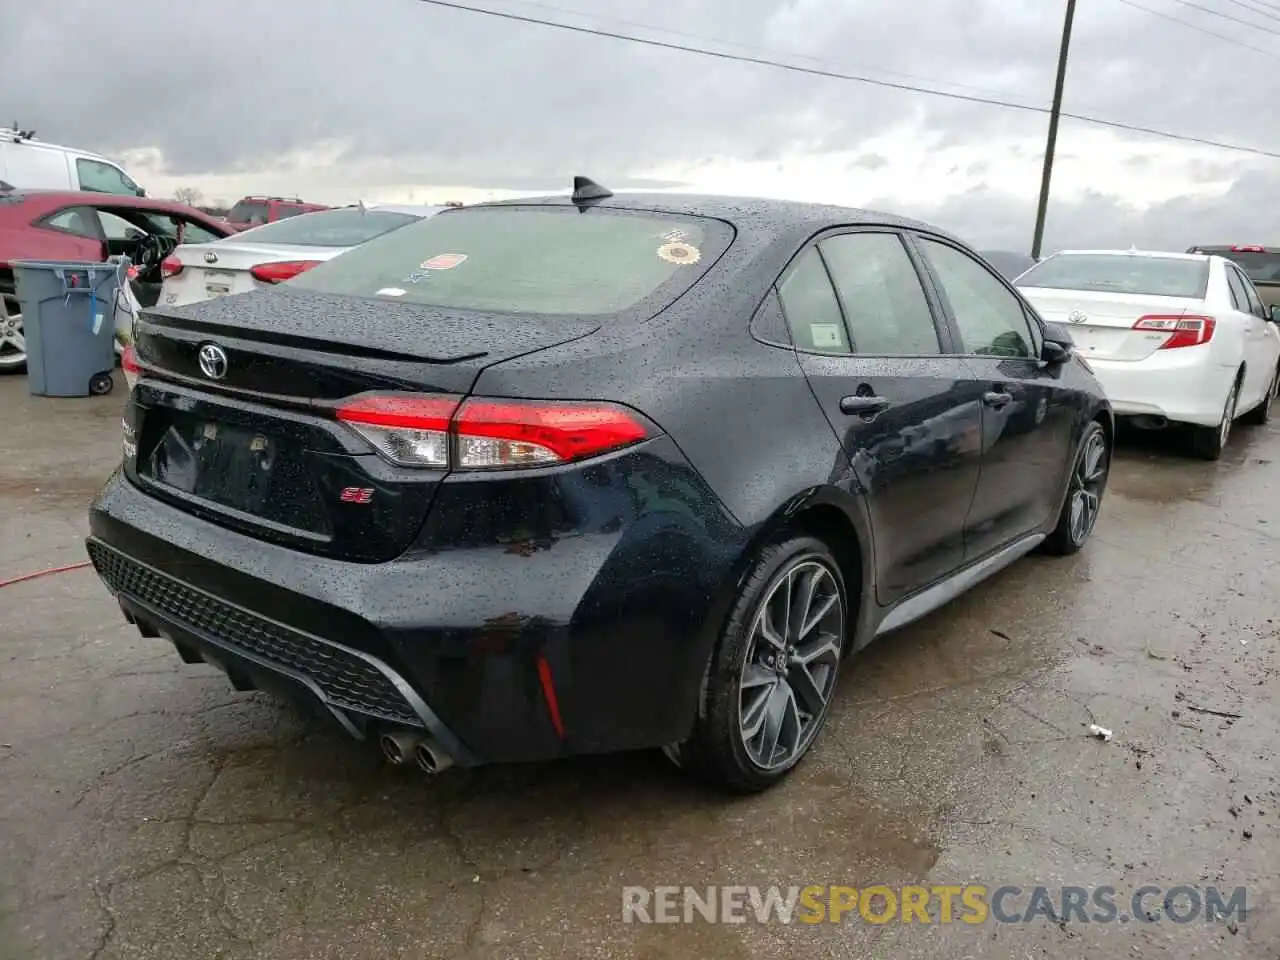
{"points": [[530, 260], [1118, 273], [1261, 267], [248, 212], [328, 228]]}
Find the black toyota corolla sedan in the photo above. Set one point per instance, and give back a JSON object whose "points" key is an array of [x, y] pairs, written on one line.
{"points": [[593, 473]]}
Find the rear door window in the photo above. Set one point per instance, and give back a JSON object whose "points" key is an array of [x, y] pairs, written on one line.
{"points": [[1253, 301], [883, 300], [530, 260], [1239, 298]]}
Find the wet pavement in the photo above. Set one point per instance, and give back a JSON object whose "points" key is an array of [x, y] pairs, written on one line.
{"points": [[147, 811]]}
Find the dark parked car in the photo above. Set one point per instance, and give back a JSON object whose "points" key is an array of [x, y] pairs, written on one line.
{"points": [[1262, 264], [1011, 265], [593, 473]]}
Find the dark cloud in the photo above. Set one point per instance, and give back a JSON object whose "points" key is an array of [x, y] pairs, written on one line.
{"points": [[458, 98]]}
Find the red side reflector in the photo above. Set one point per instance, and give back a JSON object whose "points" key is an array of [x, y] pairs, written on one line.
{"points": [[129, 360], [549, 692], [170, 266], [281, 270], [1183, 331]]}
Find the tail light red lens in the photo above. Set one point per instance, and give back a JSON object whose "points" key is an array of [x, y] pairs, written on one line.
{"points": [[170, 267], [281, 270], [129, 360], [1183, 331], [447, 432]]}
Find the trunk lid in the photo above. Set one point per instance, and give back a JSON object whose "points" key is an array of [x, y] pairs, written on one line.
{"points": [[1101, 324], [220, 269], [260, 451]]}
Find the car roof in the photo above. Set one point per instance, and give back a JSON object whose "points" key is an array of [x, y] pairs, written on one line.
{"points": [[55, 197], [9, 135], [766, 214], [1162, 254], [1234, 248]]}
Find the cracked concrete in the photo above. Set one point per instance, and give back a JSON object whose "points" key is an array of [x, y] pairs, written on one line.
{"points": [[147, 811]]}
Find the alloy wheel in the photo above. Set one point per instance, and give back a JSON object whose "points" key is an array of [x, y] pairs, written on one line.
{"points": [[13, 346], [1087, 482], [1228, 415], [792, 660]]}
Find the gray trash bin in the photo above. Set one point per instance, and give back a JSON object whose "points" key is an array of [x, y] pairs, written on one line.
{"points": [[68, 322]]}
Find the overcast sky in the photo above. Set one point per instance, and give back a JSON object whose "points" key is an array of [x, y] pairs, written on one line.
{"points": [[398, 99]]}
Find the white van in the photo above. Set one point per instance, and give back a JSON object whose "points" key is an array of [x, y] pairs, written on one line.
{"points": [[29, 164]]}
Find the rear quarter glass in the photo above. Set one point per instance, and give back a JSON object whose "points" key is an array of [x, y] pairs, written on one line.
{"points": [[547, 261]]}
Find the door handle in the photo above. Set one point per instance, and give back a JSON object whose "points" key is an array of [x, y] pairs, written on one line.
{"points": [[996, 399], [863, 406]]}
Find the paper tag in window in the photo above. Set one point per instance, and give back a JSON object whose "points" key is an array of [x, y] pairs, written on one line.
{"points": [[825, 335]]}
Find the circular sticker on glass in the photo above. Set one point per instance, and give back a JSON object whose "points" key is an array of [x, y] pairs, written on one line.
{"points": [[679, 253]]}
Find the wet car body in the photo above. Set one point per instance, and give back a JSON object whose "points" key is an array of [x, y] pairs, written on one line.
{"points": [[542, 612]]}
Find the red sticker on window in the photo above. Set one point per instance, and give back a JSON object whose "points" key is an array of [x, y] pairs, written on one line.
{"points": [[443, 261]]}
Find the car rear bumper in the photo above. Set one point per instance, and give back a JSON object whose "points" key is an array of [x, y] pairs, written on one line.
{"points": [[1182, 385], [594, 642]]}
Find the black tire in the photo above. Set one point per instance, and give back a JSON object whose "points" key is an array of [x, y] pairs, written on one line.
{"points": [[1207, 443], [717, 750], [1260, 414], [101, 384], [1068, 535]]}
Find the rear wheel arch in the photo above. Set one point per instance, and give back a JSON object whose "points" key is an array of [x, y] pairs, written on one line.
{"points": [[834, 517]]}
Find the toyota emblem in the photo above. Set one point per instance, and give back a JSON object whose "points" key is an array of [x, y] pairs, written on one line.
{"points": [[1077, 316], [210, 257], [213, 361]]}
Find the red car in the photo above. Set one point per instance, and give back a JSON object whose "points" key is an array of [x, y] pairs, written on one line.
{"points": [[255, 211], [76, 225]]}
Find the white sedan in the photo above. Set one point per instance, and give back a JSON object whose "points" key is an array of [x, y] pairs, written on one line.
{"points": [[1172, 337], [267, 255]]}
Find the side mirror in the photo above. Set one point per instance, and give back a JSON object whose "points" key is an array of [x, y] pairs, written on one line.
{"points": [[1273, 313], [1052, 352]]}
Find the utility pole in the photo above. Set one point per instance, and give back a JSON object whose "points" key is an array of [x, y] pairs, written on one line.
{"points": [[1052, 142]]}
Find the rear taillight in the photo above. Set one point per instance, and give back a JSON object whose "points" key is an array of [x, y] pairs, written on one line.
{"points": [[281, 270], [170, 267], [129, 360], [1183, 331], [486, 434]]}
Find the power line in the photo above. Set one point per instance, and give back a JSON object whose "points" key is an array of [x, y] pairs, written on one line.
{"points": [[1226, 16], [1199, 29], [856, 78], [747, 46], [1261, 11]]}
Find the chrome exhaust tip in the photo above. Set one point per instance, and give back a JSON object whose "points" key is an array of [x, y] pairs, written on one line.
{"points": [[398, 747], [431, 759]]}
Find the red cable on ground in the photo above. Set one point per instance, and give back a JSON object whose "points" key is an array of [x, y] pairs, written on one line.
{"points": [[44, 573]]}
